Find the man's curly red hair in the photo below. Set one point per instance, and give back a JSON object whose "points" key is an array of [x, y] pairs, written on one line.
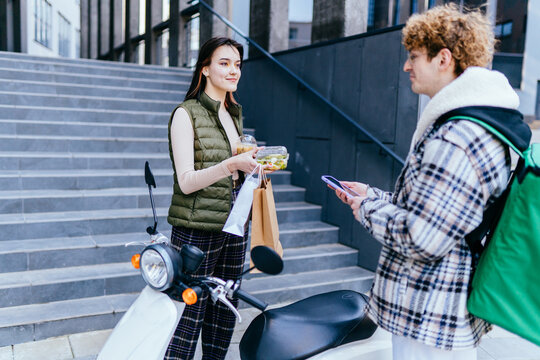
{"points": [[468, 36]]}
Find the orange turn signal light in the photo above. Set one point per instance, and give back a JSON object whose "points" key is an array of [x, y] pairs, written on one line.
{"points": [[189, 296], [136, 261]]}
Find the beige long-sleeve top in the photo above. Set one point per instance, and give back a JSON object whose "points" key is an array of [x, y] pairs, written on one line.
{"points": [[182, 141]]}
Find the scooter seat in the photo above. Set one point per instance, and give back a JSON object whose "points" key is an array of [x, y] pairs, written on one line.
{"points": [[307, 327]]}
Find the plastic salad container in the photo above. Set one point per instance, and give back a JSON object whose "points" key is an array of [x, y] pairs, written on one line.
{"points": [[275, 157], [247, 143]]}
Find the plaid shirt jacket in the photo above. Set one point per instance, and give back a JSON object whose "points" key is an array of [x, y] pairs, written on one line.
{"points": [[420, 287]]}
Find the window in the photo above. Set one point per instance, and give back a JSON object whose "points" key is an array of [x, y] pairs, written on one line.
{"points": [[504, 29], [77, 43], [293, 33], [64, 36], [371, 14], [414, 6], [42, 22], [397, 10]]}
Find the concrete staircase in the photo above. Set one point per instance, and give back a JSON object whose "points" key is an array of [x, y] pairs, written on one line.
{"points": [[74, 136]]}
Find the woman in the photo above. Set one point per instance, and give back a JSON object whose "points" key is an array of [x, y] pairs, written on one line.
{"points": [[203, 131]]}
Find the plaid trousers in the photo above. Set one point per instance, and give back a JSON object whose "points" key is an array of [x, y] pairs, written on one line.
{"points": [[225, 254]]}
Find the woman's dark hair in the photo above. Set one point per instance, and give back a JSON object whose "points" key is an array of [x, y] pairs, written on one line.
{"points": [[198, 82]]}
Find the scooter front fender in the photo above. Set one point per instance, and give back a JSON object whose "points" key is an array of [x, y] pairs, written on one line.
{"points": [[145, 330]]}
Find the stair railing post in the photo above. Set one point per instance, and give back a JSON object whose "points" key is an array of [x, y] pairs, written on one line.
{"points": [[174, 36], [98, 29], [148, 36], [17, 26], [112, 54], [89, 35], [4, 31], [127, 32]]}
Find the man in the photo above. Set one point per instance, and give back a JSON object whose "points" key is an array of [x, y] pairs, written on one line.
{"points": [[454, 171]]}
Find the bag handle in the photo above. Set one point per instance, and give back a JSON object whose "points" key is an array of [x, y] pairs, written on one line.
{"points": [[263, 177]]}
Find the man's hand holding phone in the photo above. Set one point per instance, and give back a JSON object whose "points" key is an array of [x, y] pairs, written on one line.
{"points": [[345, 190], [350, 192]]}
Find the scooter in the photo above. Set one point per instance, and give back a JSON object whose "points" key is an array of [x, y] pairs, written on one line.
{"points": [[320, 326]]}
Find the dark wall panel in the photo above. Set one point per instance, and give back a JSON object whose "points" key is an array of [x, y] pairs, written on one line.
{"points": [[313, 115], [363, 76], [284, 111], [380, 80], [312, 158]]}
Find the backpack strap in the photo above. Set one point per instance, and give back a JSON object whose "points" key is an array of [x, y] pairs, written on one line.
{"points": [[491, 130], [493, 213]]}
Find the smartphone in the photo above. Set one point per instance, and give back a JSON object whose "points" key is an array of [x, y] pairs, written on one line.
{"points": [[334, 183]]}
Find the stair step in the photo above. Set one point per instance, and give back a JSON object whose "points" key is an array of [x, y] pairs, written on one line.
{"points": [[87, 102], [30, 112], [92, 62], [74, 68], [82, 143], [292, 287], [45, 253], [81, 179], [65, 283], [27, 160], [90, 79], [307, 233], [34, 201], [44, 87], [49, 285], [114, 221], [313, 258], [36, 254], [79, 128], [40, 321]]}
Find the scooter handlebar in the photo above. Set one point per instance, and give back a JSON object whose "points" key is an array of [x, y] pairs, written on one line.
{"points": [[250, 299]]}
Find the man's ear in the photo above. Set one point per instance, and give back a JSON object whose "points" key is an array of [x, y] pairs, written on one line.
{"points": [[446, 60]]}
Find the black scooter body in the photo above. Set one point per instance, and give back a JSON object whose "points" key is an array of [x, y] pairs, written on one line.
{"points": [[308, 327]]}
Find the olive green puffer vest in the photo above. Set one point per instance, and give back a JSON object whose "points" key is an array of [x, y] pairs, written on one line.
{"points": [[208, 208]]}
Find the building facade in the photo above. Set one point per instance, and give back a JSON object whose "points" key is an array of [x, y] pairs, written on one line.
{"points": [[41, 27], [53, 28]]}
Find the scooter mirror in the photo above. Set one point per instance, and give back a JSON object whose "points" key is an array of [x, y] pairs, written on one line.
{"points": [[148, 176], [266, 260], [192, 258]]}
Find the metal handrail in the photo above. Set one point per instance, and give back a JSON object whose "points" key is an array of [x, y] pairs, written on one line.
{"points": [[303, 83]]}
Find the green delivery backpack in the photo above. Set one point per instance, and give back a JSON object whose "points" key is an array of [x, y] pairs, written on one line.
{"points": [[505, 287]]}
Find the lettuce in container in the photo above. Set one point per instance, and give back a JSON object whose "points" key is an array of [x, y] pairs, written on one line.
{"points": [[275, 157]]}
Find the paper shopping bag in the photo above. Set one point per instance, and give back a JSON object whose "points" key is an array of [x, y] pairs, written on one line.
{"points": [[239, 215], [264, 225]]}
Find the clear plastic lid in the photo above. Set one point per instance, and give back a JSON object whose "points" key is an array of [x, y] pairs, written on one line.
{"points": [[273, 151], [248, 139], [247, 143]]}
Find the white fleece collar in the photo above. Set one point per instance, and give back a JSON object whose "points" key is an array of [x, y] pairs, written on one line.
{"points": [[477, 86]]}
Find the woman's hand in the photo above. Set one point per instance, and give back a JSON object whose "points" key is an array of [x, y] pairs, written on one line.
{"points": [[244, 162]]}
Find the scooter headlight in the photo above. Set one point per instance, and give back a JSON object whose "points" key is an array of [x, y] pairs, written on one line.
{"points": [[159, 266]]}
